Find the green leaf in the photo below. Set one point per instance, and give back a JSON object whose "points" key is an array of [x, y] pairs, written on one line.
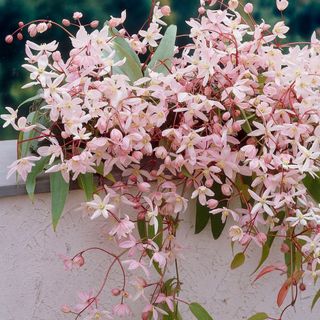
{"points": [[86, 183], [109, 176], [315, 299], [142, 229], [202, 217], [24, 147], [31, 178], [132, 66], [161, 59], [34, 98], [217, 225], [185, 172], [59, 192], [313, 187], [199, 312], [238, 260], [259, 316], [151, 235]]}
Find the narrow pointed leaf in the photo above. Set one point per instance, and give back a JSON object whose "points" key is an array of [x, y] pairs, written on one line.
{"points": [[217, 225], [202, 217], [313, 187], [199, 312], [86, 183], [162, 59], [31, 178], [315, 299], [59, 192]]}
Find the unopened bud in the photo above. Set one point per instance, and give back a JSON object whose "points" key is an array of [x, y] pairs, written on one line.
{"points": [[42, 27], [226, 189], [94, 23], [226, 116], [202, 10], [248, 8], [144, 187], [165, 10], [20, 24], [56, 56], [78, 261], [284, 248], [212, 203], [32, 30], [115, 292], [19, 36], [141, 216], [302, 287], [77, 15], [8, 39], [66, 22], [65, 308]]}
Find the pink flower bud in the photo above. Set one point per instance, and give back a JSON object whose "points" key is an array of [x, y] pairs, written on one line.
{"points": [[20, 24], [94, 23], [261, 238], [201, 10], [77, 15], [248, 8], [302, 287], [56, 56], [116, 135], [282, 5], [284, 248], [113, 22], [236, 127], [237, 113], [226, 116], [65, 308], [166, 11], [141, 216], [133, 178], [144, 187], [212, 203], [161, 152], [8, 39], [66, 22], [207, 91], [251, 141], [138, 155], [32, 30], [249, 151], [233, 4], [78, 261], [154, 173], [19, 36], [115, 292], [42, 27], [209, 183], [226, 189], [49, 24], [167, 161]]}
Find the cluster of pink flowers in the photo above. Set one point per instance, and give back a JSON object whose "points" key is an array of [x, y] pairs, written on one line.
{"points": [[234, 114]]}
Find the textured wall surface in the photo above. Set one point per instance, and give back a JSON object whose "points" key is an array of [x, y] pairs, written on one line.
{"points": [[34, 284]]}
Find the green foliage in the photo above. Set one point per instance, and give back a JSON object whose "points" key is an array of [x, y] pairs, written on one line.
{"points": [[199, 312], [238, 260], [259, 316], [59, 192], [86, 183]]}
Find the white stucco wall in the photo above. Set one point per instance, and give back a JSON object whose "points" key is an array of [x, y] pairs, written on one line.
{"points": [[34, 284]]}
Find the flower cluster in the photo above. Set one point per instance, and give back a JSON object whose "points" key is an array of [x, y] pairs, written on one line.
{"points": [[234, 114]]}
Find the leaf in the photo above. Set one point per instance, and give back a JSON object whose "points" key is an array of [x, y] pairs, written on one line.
{"points": [[31, 178], [164, 52], [24, 146], [238, 260], [315, 299], [142, 229], [283, 293], [34, 98], [132, 66], [259, 316], [109, 176], [59, 192], [265, 270], [199, 312], [151, 235], [313, 187], [185, 172], [202, 217], [86, 183], [217, 225]]}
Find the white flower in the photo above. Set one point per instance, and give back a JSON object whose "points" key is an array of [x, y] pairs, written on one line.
{"points": [[280, 29], [100, 207], [202, 192], [9, 118], [236, 233]]}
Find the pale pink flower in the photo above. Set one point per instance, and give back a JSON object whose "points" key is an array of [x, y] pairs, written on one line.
{"points": [[114, 22], [9, 118], [100, 206], [151, 35], [22, 166], [202, 192], [235, 233], [123, 228], [280, 29], [282, 4], [121, 310]]}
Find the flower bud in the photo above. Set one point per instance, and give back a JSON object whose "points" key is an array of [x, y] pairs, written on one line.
{"points": [[145, 315], [165, 10], [233, 4], [144, 187], [284, 248], [245, 239], [236, 127], [248, 8], [115, 292], [77, 15], [20, 24], [138, 155], [282, 5], [161, 152], [78, 260], [94, 24], [8, 39], [207, 91], [32, 30], [141, 216], [56, 56], [133, 178], [209, 183], [226, 116], [154, 173], [212, 203], [302, 287], [226, 189], [19, 36], [201, 10], [66, 22], [42, 27], [261, 238]]}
